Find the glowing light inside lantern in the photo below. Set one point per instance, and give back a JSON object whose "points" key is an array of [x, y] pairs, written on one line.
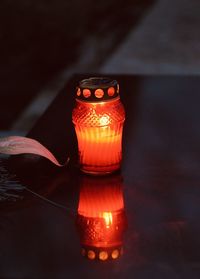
{"points": [[98, 118], [99, 129]]}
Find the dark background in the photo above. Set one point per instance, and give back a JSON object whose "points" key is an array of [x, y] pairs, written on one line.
{"points": [[40, 39]]}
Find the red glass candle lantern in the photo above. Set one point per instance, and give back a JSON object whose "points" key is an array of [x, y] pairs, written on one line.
{"points": [[101, 218], [98, 118]]}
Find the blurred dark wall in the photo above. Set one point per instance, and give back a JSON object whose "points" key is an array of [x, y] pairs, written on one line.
{"points": [[40, 38]]}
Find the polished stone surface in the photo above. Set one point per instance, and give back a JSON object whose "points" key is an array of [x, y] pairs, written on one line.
{"points": [[160, 170]]}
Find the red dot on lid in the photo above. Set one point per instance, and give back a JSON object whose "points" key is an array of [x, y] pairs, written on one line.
{"points": [[78, 93], [111, 91], [86, 93], [99, 93]]}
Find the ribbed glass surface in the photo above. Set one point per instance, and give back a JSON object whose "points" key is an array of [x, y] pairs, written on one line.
{"points": [[100, 196], [99, 131]]}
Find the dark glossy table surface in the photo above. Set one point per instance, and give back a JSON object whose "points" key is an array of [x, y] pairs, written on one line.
{"points": [[161, 188]]}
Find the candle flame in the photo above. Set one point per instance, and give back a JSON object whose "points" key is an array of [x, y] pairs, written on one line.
{"points": [[104, 120], [108, 218]]}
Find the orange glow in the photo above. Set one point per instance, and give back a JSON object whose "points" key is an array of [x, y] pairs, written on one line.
{"points": [[103, 255], [108, 219], [115, 254], [86, 93], [101, 217], [91, 255], [111, 91], [104, 120], [99, 129], [99, 93]]}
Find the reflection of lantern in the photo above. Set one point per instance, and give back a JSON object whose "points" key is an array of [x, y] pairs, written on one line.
{"points": [[101, 217], [98, 118]]}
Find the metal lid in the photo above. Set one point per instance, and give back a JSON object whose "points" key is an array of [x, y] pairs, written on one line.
{"points": [[97, 89]]}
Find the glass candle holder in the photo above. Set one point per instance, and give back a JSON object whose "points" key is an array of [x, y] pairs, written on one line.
{"points": [[98, 118], [101, 219]]}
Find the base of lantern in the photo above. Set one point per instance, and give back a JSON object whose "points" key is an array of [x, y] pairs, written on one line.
{"points": [[97, 173], [106, 170]]}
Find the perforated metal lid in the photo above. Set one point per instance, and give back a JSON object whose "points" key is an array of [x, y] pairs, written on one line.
{"points": [[97, 89]]}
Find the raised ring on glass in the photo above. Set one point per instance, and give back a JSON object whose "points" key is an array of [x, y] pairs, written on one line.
{"points": [[99, 93], [111, 91], [86, 93]]}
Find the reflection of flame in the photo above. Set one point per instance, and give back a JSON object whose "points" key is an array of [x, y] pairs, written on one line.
{"points": [[101, 217], [108, 218]]}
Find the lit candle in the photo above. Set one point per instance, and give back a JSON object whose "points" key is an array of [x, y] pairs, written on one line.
{"points": [[98, 117]]}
